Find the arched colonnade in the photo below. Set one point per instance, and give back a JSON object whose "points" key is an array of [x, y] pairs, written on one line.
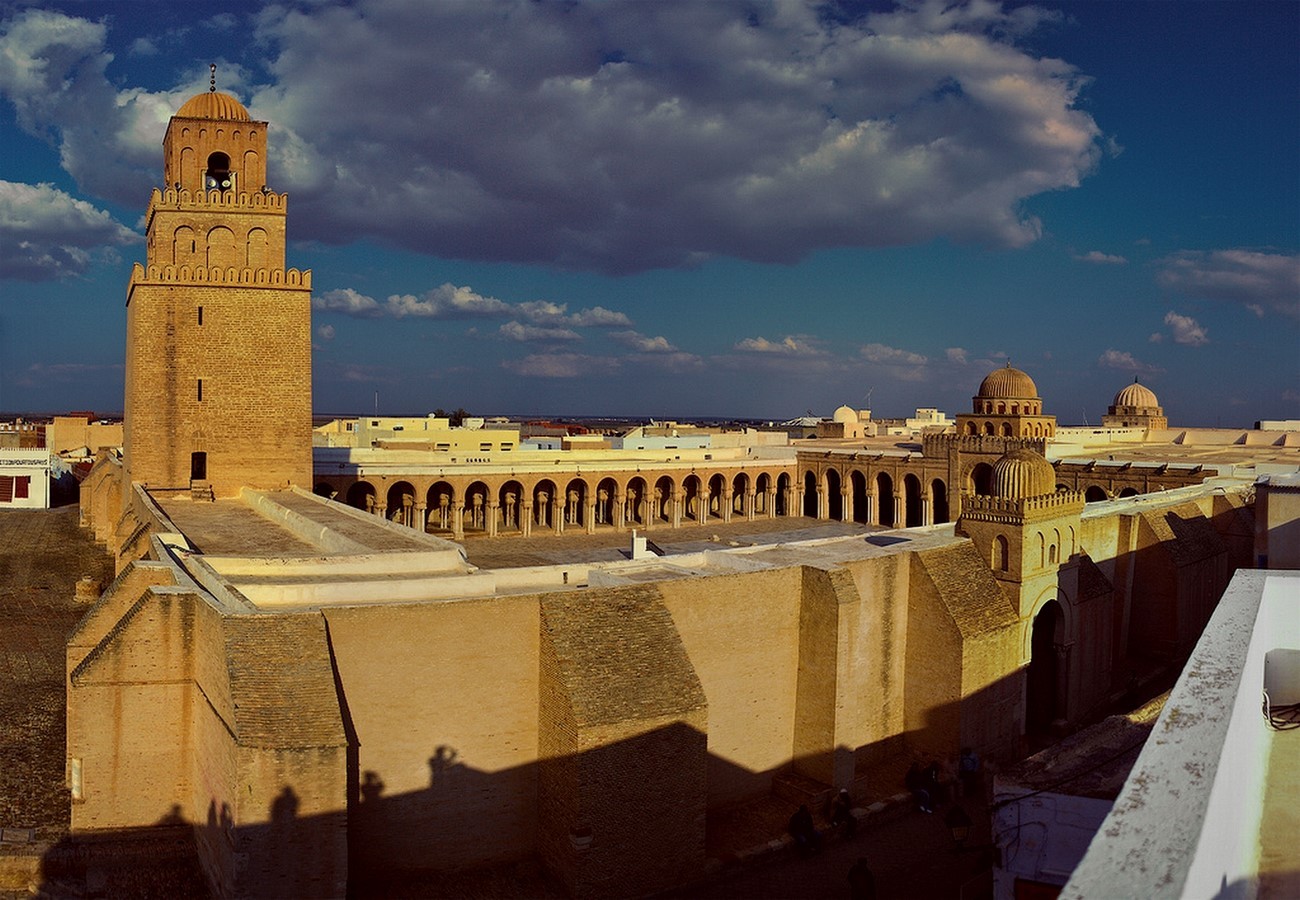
{"points": [[538, 503]]}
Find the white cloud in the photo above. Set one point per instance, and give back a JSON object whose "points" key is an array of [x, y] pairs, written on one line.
{"points": [[1103, 259], [599, 317], [1125, 362], [613, 137], [1260, 281], [447, 301], [790, 345], [47, 234], [1186, 330], [347, 301], [641, 343], [325, 332], [901, 364], [517, 331], [956, 355]]}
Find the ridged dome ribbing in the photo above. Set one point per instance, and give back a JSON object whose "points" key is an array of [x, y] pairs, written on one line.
{"points": [[1022, 474]]}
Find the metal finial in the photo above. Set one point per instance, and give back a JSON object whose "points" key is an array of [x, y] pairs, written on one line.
{"points": [[212, 82]]}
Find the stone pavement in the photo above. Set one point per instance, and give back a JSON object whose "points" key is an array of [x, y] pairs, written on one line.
{"points": [[43, 553]]}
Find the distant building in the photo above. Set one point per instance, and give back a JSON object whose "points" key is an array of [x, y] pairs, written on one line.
{"points": [[24, 479], [1135, 406]]}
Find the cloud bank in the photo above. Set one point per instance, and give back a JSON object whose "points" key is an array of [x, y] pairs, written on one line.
{"points": [[614, 137]]}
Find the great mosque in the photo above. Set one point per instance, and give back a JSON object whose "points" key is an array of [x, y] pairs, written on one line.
{"points": [[323, 692]]}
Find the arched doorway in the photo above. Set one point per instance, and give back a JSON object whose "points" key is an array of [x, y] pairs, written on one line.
{"points": [[634, 503], [912, 512], [762, 487], [834, 499], [1128, 492], [324, 490], [810, 495], [782, 494], [545, 498], [510, 501], [362, 496], [476, 507], [981, 479], [1041, 687], [1094, 494], [442, 497], [401, 504], [661, 506], [606, 490], [885, 499], [717, 487], [575, 503], [939, 501], [739, 495], [858, 485]]}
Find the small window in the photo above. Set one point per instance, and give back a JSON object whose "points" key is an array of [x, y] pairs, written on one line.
{"points": [[198, 465], [484, 447], [200, 390], [200, 315]]}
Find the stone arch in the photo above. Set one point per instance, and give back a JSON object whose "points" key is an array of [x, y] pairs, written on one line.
{"points": [[740, 494], [510, 504], [222, 250], [545, 502], [762, 486], [834, 497], [989, 429], [1095, 494], [185, 247], [1128, 492], [259, 249], [441, 501], [716, 489], [913, 514], [636, 502], [322, 489], [661, 502], [400, 504], [361, 495], [1001, 553], [858, 489], [1054, 549], [782, 502], [606, 492], [575, 503], [972, 429], [1006, 430], [695, 497], [980, 479], [938, 501], [809, 494], [885, 499], [1043, 683], [476, 507], [1042, 550]]}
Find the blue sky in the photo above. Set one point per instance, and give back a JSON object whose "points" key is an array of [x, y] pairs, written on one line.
{"points": [[692, 209]]}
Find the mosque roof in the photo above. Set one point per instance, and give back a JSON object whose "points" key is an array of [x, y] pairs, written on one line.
{"points": [[1022, 474], [213, 105], [1008, 384], [845, 414], [1135, 395]]}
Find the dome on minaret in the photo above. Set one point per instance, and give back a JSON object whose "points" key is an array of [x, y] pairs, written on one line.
{"points": [[1007, 384], [1022, 474], [213, 105]]}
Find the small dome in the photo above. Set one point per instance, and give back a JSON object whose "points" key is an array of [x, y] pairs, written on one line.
{"points": [[213, 105], [1007, 384], [1135, 395], [1022, 474], [845, 414]]}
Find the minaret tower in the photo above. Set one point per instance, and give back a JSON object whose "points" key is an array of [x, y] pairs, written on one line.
{"points": [[218, 341]]}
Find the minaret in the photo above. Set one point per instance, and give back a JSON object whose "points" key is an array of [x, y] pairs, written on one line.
{"points": [[218, 345]]}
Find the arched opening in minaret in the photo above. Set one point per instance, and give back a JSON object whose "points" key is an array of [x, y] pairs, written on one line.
{"points": [[1041, 687], [981, 479], [218, 176]]}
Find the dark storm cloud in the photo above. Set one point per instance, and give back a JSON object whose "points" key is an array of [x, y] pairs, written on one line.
{"points": [[608, 136]]}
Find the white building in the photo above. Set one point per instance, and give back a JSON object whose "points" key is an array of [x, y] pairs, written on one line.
{"points": [[24, 479]]}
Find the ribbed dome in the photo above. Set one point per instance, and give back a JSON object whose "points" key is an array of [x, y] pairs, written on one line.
{"points": [[1007, 384], [1022, 474], [213, 105], [1136, 395], [845, 414]]}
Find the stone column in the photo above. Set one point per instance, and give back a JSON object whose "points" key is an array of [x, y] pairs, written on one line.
{"points": [[701, 503], [675, 500], [590, 520], [749, 505], [770, 497], [727, 495], [421, 518], [493, 512], [900, 511], [620, 511], [526, 517], [927, 513], [846, 504], [381, 510], [458, 523], [871, 509]]}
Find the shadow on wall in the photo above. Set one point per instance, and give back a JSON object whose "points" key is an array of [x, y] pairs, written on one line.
{"points": [[629, 817]]}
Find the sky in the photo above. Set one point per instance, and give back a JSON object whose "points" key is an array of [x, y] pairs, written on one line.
{"points": [[691, 209]]}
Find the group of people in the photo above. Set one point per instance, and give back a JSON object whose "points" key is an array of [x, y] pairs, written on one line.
{"points": [[929, 787]]}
